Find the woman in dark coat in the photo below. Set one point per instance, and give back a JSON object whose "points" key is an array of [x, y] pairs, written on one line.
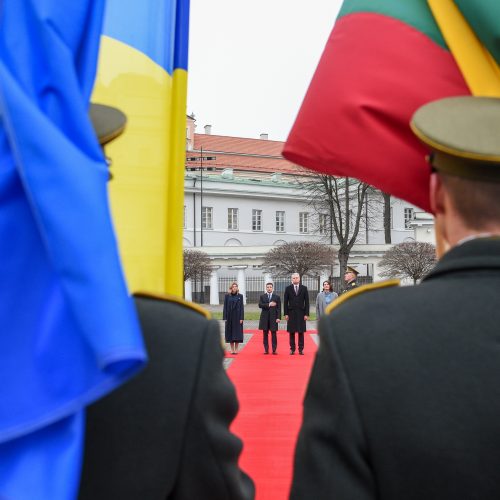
{"points": [[233, 314]]}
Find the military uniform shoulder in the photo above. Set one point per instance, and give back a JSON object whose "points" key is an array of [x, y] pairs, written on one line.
{"points": [[178, 301], [360, 290]]}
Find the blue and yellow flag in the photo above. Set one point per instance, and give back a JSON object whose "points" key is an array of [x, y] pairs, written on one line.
{"points": [[68, 329], [143, 71]]}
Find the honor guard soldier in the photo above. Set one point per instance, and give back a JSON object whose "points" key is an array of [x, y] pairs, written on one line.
{"points": [[350, 277], [405, 404]]}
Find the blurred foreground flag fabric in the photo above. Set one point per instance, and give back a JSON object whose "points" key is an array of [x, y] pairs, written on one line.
{"points": [[383, 60], [68, 329], [143, 71]]}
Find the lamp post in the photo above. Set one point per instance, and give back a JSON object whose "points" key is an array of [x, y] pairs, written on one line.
{"points": [[201, 159]]}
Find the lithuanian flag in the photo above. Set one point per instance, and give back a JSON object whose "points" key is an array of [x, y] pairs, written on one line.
{"points": [[383, 60]]}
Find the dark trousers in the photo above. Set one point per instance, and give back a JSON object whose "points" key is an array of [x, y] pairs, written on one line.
{"points": [[292, 341], [274, 340]]}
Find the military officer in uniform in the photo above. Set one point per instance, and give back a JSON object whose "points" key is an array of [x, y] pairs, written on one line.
{"points": [[406, 405], [165, 434], [350, 277]]}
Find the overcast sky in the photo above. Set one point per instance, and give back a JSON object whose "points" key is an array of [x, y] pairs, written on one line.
{"points": [[251, 61]]}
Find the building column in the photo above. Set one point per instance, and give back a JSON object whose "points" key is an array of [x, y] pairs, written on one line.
{"points": [[214, 288], [375, 272], [268, 278], [241, 282], [188, 290]]}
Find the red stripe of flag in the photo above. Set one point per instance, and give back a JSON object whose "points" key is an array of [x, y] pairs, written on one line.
{"points": [[374, 73]]}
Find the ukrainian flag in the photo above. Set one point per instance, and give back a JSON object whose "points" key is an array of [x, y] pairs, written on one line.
{"points": [[143, 71], [69, 333]]}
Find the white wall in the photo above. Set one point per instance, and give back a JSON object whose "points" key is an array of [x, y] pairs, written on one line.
{"points": [[245, 246]]}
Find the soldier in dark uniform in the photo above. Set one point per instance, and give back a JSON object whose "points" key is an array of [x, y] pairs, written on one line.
{"points": [[350, 277], [165, 434], [406, 404]]}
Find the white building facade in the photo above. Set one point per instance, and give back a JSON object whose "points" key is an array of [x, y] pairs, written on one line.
{"points": [[236, 213]]}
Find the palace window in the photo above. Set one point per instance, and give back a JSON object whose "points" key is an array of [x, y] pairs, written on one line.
{"points": [[280, 221], [409, 214], [232, 219], [303, 222], [207, 217], [256, 220], [323, 223]]}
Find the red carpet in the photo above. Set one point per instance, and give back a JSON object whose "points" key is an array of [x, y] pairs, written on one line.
{"points": [[270, 391]]}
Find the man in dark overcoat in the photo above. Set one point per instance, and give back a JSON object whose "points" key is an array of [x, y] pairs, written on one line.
{"points": [[406, 403], [165, 434], [270, 316], [296, 309]]}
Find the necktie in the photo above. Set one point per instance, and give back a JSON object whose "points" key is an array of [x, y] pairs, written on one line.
{"points": [[269, 295], [296, 290]]}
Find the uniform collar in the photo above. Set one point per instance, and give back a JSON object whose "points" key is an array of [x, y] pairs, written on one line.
{"points": [[479, 253]]}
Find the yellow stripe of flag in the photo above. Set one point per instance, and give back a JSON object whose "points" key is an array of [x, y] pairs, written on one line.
{"points": [[478, 67]]}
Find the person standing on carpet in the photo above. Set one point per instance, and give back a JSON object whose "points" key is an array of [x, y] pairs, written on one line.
{"points": [[324, 299], [270, 316], [233, 314], [296, 308]]}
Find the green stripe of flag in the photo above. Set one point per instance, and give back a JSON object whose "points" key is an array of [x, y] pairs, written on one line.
{"points": [[415, 13], [484, 18]]}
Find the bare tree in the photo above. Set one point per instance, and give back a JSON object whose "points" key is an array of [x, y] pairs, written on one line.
{"points": [[411, 259], [342, 201], [196, 265], [387, 217], [303, 257]]}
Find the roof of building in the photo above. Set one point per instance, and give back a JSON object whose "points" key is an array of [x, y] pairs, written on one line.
{"points": [[243, 154]]}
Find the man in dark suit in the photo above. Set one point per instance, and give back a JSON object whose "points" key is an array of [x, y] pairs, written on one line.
{"points": [[296, 308], [270, 316], [165, 434], [406, 403]]}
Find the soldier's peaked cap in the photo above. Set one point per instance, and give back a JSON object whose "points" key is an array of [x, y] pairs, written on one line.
{"points": [[108, 122], [463, 134], [350, 269]]}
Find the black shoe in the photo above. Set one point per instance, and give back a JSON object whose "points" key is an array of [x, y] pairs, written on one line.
{"points": [[292, 352], [266, 352], [274, 352], [301, 353]]}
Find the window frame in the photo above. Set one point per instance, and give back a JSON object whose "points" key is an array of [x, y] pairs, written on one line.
{"points": [[279, 222], [256, 220], [407, 220], [323, 224], [204, 218], [233, 222], [304, 222]]}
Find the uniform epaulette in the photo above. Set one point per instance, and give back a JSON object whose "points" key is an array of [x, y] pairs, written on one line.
{"points": [[177, 300], [362, 289]]}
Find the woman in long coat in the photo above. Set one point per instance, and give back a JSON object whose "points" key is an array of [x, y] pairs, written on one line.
{"points": [[324, 299], [233, 314]]}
